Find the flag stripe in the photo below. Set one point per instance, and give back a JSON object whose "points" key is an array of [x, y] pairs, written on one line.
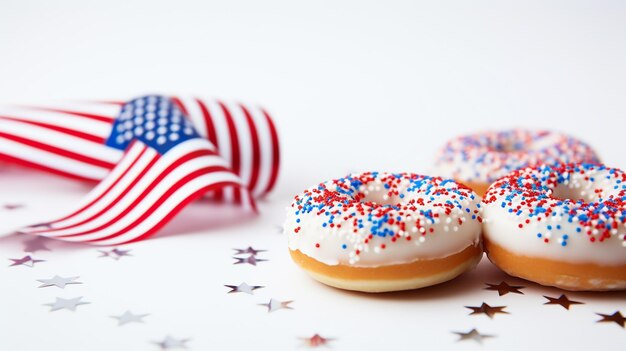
{"points": [[147, 180], [212, 136], [275, 153], [256, 149], [95, 117], [117, 175], [76, 123], [37, 158], [231, 154], [234, 146], [56, 128]]}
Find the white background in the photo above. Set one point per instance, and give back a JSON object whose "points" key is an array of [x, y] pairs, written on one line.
{"points": [[353, 86]]}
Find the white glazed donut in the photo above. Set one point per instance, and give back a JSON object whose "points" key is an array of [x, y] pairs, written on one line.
{"points": [[479, 159], [380, 232], [562, 226]]}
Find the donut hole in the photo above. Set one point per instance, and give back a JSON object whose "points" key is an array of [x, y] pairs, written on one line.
{"points": [[379, 195], [517, 141], [567, 192]]}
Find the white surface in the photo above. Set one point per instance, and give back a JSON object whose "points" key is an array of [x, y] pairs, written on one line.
{"points": [[353, 86]]}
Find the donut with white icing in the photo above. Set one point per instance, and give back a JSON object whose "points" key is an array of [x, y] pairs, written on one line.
{"points": [[561, 226], [378, 232], [477, 160]]}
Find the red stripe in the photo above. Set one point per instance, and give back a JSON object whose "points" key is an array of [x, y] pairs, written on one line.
{"points": [[208, 121], [24, 163], [59, 151], [212, 136], [234, 146], [149, 211], [95, 117], [89, 137], [180, 105], [145, 193], [166, 219], [139, 156], [112, 203], [256, 149], [275, 152]]}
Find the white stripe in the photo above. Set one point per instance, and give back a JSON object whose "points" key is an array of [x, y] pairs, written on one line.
{"points": [[88, 107], [223, 139], [164, 162], [265, 143], [124, 164], [195, 115], [77, 123], [61, 141], [245, 142], [162, 211], [51, 160], [107, 199], [246, 201], [134, 214]]}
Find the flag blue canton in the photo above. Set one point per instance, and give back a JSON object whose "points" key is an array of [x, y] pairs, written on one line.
{"points": [[154, 120]]}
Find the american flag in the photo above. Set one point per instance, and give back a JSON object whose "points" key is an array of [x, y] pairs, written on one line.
{"points": [[151, 157]]}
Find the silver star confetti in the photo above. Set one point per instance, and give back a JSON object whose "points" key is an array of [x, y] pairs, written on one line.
{"points": [[37, 243], [66, 304], [115, 253], [58, 281], [170, 343], [24, 261], [243, 287], [275, 305], [129, 317], [247, 251], [473, 335], [249, 260]]}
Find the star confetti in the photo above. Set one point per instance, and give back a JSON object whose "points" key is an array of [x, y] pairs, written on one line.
{"points": [[58, 281], [503, 288], [115, 253], [243, 287], [616, 317], [129, 317], [316, 341], [473, 335], [11, 207], [247, 251], [66, 304], [249, 260], [275, 305], [561, 300], [24, 261], [170, 343], [488, 310], [37, 243]]}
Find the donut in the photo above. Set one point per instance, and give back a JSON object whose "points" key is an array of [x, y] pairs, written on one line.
{"points": [[477, 160], [560, 226], [379, 232]]}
